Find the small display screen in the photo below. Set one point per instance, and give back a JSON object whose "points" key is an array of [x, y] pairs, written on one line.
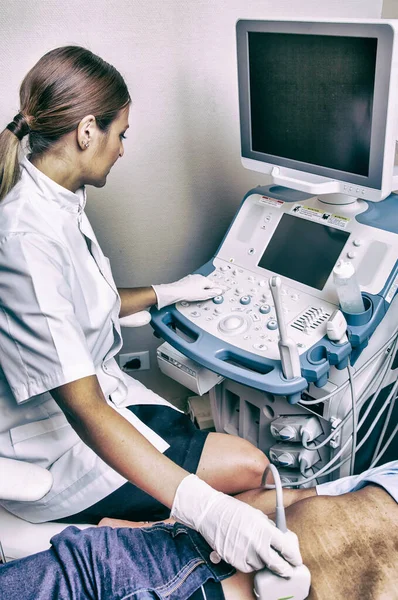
{"points": [[311, 98], [303, 250]]}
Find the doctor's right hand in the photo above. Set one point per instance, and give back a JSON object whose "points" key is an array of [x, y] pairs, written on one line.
{"points": [[190, 288], [241, 535]]}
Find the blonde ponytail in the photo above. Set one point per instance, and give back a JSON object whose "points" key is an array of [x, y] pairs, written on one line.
{"points": [[9, 161]]}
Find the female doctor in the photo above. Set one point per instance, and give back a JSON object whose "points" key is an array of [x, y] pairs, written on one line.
{"points": [[114, 448]]}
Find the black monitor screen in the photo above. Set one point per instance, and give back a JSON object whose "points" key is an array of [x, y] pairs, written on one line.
{"points": [[303, 250], [311, 98]]}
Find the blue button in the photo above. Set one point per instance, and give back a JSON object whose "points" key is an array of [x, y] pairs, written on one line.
{"points": [[245, 300], [218, 299], [272, 324], [265, 309]]}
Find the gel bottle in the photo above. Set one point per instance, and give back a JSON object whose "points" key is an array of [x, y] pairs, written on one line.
{"points": [[347, 288]]}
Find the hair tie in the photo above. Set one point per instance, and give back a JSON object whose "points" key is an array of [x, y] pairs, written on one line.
{"points": [[19, 126]]}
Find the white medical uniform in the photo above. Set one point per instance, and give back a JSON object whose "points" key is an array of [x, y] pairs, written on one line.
{"points": [[59, 322]]}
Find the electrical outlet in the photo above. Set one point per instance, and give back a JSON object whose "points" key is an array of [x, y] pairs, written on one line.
{"points": [[134, 361]]}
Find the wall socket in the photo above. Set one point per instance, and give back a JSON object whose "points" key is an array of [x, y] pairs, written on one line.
{"points": [[134, 361]]}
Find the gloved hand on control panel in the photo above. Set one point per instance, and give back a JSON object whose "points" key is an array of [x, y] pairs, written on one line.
{"points": [[241, 535], [190, 288]]}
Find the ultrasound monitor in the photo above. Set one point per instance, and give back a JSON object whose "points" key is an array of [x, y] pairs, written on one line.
{"points": [[318, 104]]}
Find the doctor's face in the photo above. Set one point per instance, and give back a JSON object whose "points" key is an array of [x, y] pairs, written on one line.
{"points": [[110, 147]]}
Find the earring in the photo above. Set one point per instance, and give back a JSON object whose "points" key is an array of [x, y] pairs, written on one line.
{"points": [[86, 144]]}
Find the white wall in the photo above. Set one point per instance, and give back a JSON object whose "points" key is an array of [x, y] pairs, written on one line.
{"points": [[390, 9], [170, 199]]}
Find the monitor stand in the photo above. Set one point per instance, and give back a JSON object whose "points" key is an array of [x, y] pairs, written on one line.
{"points": [[291, 195], [337, 199]]}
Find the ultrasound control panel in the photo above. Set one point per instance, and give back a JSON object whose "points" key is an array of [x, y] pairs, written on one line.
{"points": [[300, 239], [301, 242], [245, 315]]}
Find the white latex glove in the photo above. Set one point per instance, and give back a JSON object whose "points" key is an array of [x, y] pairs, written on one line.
{"points": [[242, 535], [190, 288]]}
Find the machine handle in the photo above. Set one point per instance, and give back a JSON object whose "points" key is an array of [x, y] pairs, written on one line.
{"points": [[223, 358]]}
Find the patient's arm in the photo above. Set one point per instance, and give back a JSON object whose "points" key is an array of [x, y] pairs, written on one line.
{"points": [[265, 500], [258, 498]]}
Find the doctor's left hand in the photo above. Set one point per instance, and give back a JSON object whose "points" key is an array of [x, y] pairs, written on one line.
{"points": [[189, 288]]}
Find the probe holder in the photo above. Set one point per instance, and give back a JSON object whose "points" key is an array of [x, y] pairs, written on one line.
{"points": [[361, 326]]}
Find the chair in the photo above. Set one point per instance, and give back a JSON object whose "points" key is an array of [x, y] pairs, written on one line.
{"points": [[28, 482], [24, 482]]}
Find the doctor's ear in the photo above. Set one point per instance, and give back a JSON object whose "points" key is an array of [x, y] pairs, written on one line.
{"points": [[86, 131]]}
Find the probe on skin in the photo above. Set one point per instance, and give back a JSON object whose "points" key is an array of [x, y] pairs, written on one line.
{"points": [[268, 585]]}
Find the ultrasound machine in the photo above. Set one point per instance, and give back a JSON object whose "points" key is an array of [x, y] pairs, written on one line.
{"points": [[318, 114]]}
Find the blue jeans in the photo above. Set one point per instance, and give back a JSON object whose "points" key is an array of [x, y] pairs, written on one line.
{"points": [[167, 562]]}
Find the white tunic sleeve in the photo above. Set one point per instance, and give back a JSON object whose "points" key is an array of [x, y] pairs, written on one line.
{"points": [[42, 344]]}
